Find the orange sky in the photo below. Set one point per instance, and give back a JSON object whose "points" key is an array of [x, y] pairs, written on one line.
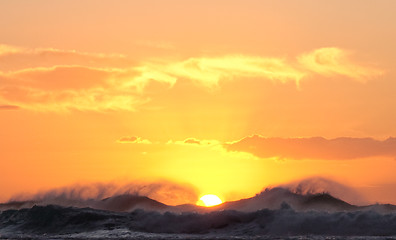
{"points": [[227, 96]]}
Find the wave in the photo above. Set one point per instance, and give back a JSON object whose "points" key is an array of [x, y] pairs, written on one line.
{"points": [[279, 211], [53, 219], [271, 198]]}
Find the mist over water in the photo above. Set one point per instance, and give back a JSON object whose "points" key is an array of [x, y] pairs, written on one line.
{"points": [[81, 194], [316, 185]]}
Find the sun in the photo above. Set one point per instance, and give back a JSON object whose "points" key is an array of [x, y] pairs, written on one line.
{"points": [[209, 200]]}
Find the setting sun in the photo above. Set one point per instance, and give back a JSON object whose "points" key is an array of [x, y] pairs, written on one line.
{"points": [[209, 200]]}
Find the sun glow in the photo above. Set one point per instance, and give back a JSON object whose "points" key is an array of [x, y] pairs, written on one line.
{"points": [[209, 200]]}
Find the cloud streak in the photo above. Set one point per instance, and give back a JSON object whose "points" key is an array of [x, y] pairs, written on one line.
{"points": [[14, 58], [319, 148], [8, 107], [133, 139], [196, 142], [335, 61], [209, 71]]}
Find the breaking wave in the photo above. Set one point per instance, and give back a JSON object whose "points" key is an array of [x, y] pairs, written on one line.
{"points": [[304, 209], [284, 221]]}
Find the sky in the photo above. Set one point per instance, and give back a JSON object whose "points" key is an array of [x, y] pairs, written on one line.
{"points": [[220, 97]]}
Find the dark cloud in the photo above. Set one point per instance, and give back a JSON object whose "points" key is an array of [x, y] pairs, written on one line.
{"points": [[9, 107], [343, 148]]}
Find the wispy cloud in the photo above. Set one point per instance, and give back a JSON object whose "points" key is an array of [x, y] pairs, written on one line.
{"points": [[335, 61], [47, 79], [61, 80], [64, 88], [210, 71], [7, 49], [14, 58]]}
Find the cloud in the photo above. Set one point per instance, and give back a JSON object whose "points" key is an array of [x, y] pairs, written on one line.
{"points": [[134, 139], [335, 61], [47, 79], [195, 142], [58, 80], [63, 80], [319, 148], [210, 71], [192, 141], [60, 77], [7, 49], [8, 107], [14, 58]]}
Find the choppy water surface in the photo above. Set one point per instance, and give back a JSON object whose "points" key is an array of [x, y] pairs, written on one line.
{"points": [[126, 234], [275, 214]]}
